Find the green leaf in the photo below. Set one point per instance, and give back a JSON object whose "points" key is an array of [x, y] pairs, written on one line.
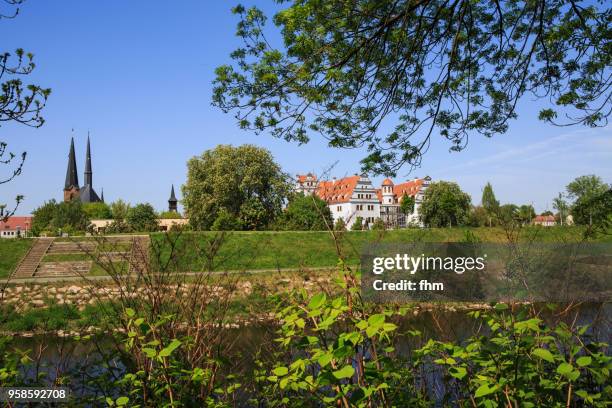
{"points": [[280, 371], [317, 301], [501, 306], [151, 353], [170, 348], [483, 390], [130, 312], [583, 361], [543, 354], [122, 401], [458, 372], [376, 320], [345, 372]]}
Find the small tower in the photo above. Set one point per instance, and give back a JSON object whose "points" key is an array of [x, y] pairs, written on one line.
{"points": [[387, 192], [88, 194], [102, 195], [172, 201], [71, 186]]}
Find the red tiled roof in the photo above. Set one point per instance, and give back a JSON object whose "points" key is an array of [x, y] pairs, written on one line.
{"points": [[303, 177], [24, 223], [337, 191], [544, 218], [387, 182], [411, 188]]}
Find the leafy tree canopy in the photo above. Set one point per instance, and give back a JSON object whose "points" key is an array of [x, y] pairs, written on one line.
{"points": [[244, 181], [306, 213], [407, 204], [53, 216], [444, 205], [170, 215], [429, 67], [142, 217], [357, 224], [97, 211]]}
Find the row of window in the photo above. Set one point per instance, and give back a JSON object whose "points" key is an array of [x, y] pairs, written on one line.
{"points": [[370, 207], [10, 233]]}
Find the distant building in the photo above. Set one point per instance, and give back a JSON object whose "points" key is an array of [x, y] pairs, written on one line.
{"points": [[545, 220], [172, 201], [72, 191], [15, 227], [355, 196], [306, 183]]}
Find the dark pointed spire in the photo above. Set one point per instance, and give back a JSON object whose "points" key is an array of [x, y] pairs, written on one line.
{"points": [[102, 196], [172, 201], [88, 172], [72, 177]]}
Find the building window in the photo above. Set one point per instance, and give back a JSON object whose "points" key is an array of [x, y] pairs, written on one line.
{"points": [[339, 208]]}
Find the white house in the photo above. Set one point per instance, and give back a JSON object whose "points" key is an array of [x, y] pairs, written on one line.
{"points": [[355, 196], [15, 227]]}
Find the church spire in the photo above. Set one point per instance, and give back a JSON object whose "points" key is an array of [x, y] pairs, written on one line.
{"points": [[172, 201], [88, 172], [72, 177], [102, 195]]}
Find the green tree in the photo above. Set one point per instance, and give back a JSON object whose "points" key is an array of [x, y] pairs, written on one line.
{"points": [[584, 190], [169, 215], [596, 212], [378, 225], [245, 181], [357, 224], [97, 211], [407, 204], [478, 217], [444, 205], [340, 225], [119, 210], [19, 103], [509, 214], [142, 217], [306, 213], [65, 216], [489, 203], [526, 214], [561, 206], [226, 222], [430, 67]]}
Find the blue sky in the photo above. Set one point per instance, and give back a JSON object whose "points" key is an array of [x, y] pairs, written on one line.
{"points": [[137, 75]]}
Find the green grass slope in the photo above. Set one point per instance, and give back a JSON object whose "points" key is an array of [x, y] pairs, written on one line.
{"points": [[11, 252]]}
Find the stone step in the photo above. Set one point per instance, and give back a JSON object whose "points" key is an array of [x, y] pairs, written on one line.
{"points": [[29, 263], [72, 268]]}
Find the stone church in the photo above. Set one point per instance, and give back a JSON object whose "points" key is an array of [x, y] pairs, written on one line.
{"points": [[72, 191]]}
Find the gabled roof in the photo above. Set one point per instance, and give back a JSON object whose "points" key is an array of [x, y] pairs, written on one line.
{"points": [[411, 188], [23, 222], [337, 191]]}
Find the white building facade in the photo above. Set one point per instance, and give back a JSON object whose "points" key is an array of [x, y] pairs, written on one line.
{"points": [[352, 197]]}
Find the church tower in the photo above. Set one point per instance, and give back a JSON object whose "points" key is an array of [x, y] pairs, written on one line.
{"points": [[172, 201], [88, 194], [71, 186]]}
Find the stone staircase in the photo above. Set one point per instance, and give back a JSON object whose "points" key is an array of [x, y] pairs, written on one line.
{"points": [[71, 268], [139, 256], [28, 265]]}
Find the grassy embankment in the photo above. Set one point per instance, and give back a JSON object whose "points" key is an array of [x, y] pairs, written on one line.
{"points": [[11, 252], [288, 249]]}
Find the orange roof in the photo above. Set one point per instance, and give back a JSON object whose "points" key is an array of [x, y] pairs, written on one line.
{"points": [[23, 223], [411, 188], [544, 218], [337, 191], [303, 177], [387, 182]]}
